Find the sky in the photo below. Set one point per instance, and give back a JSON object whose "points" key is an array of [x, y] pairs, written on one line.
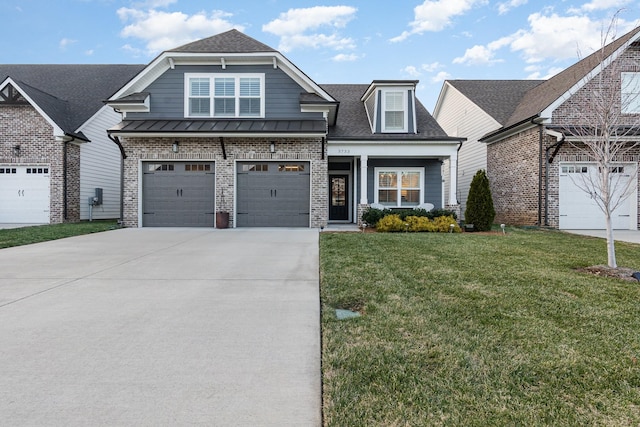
{"points": [[343, 41]]}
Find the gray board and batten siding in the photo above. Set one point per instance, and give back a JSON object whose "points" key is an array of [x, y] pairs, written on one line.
{"points": [[432, 177], [282, 93]]}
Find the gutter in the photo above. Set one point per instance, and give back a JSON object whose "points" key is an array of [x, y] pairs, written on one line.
{"points": [[123, 156], [560, 138]]}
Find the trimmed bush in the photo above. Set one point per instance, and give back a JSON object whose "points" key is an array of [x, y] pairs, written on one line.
{"points": [[480, 211], [372, 216], [442, 224], [391, 223], [420, 224]]}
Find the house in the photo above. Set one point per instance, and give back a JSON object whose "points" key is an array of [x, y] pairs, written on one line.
{"points": [[226, 131], [473, 108], [523, 132], [54, 150]]}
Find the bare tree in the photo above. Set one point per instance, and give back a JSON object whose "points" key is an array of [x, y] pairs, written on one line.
{"points": [[606, 132]]}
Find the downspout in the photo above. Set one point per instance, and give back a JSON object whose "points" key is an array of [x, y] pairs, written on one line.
{"points": [[540, 145], [123, 156], [549, 159], [65, 213], [458, 173]]}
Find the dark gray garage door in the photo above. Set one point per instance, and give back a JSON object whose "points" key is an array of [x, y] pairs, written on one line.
{"points": [[273, 194], [178, 194]]}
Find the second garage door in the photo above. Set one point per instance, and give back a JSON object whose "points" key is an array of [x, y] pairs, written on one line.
{"points": [[273, 194], [578, 209], [178, 194], [24, 194]]}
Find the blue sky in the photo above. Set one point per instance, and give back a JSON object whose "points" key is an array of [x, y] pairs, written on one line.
{"points": [[346, 41]]}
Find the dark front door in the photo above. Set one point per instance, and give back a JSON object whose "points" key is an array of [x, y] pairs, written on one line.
{"points": [[339, 198]]}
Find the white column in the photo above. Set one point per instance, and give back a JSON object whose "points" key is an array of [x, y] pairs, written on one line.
{"points": [[453, 178], [363, 179]]}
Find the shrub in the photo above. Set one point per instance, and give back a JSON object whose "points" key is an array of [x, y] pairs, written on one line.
{"points": [[371, 216], [420, 223], [480, 211], [442, 224], [391, 223]]}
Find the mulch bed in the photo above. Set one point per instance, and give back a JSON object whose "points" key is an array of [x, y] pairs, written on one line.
{"points": [[605, 271]]}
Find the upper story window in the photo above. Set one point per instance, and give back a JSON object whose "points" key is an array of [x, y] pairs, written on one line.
{"points": [[394, 107], [224, 95], [630, 93]]}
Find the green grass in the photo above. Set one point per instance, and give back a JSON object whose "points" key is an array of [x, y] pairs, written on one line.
{"points": [[42, 233], [478, 330]]}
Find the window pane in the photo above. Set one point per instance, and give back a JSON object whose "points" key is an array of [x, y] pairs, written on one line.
{"points": [[410, 197], [387, 179], [199, 87], [250, 106], [199, 107], [388, 197], [394, 120], [410, 179], [393, 101], [225, 87], [250, 87], [630, 92], [225, 106]]}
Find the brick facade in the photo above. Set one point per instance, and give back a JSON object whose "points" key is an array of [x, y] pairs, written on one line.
{"points": [[237, 149], [22, 125], [513, 163]]}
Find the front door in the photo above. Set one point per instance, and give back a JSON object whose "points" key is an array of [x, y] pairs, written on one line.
{"points": [[339, 198]]}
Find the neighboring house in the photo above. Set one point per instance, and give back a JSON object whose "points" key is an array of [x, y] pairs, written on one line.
{"points": [[471, 109], [530, 165], [54, 149], [227, 127]]}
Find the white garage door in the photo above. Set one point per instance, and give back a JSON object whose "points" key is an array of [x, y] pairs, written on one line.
{"points": [[24, 194], [578, 209]]}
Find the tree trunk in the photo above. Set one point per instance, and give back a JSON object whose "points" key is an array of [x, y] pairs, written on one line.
{"points": [[611, 246]]}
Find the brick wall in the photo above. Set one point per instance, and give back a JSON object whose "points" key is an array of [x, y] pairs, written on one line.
{"points": [[202, 149], [23, 125], [512, 168]]}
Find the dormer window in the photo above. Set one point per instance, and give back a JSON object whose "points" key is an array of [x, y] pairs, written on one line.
{"points": [[224, 95], [394, 105]]}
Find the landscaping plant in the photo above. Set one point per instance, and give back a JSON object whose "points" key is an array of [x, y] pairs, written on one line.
{"points": [[480, 211]]}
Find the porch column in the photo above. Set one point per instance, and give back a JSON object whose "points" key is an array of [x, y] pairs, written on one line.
{"points": [[453, 179], [364, 199]]}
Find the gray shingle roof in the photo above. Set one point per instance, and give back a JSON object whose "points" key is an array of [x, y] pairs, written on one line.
{"points": [[232, 41], [539, 98], [69, 93], [352, 121], [498, 98]]}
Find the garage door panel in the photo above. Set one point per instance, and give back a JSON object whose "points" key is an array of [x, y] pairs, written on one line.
{"points": [[178, 194], [273, 194], [578, 209], [25, 194]]}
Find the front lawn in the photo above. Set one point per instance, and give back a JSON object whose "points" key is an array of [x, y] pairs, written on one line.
{"points": [[478, 330], [42, 233]]}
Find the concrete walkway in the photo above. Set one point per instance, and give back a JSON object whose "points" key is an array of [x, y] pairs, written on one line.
{"points": [[159, 327], [631, 236]]}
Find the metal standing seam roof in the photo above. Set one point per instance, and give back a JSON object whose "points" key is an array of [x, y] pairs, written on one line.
{"points": [[207, 126]]}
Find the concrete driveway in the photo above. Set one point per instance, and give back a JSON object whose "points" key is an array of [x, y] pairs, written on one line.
{"points": [[159, 327]]}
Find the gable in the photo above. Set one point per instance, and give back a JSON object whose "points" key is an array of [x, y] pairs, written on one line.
{"points": [[10, 96]]}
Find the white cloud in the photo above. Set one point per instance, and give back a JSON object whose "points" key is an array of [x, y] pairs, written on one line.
{"points": [[430, 68], [89, 52], [511, 4], [548, 38], [411, 71], [165, 30], [342, 57], [595, 5], [436, 15], [64, 43], [301, 28], [440, 77]]}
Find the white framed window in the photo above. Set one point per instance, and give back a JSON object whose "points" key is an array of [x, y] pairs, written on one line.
{"points": [[399, 187], [224, 95], [630, 100], [394, 111]]}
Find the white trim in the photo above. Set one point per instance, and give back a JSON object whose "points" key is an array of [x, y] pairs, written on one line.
{"points": [[57, 130], [405, 112], [398, 171], [212, 77]]}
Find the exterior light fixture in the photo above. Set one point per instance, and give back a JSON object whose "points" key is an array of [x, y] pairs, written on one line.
{"points": [[175, 146], [272, 147], [502, 226]]}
